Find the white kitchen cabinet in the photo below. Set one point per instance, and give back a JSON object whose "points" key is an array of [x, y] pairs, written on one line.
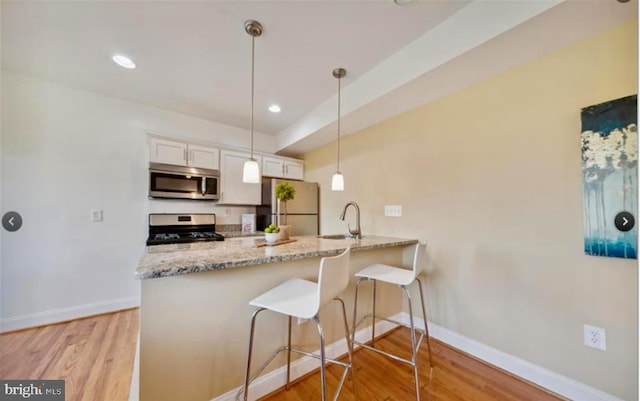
{"points": [[272, 167], [203, 157], [232, 190], [293, 170], [183, 154], [169, 152], [282, 168]]}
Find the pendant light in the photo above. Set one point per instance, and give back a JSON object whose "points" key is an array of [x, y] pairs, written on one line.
{"points": [[337, 182], [251, 171]]}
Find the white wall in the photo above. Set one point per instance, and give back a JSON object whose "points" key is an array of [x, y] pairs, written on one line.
{"points": [[64, 153]]}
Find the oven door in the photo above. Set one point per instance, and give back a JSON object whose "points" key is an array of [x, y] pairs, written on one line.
{"points": [[182, 185]]}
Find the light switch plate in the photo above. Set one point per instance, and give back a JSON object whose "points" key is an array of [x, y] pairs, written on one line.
{"points": [[96, 215], [393, 210]]}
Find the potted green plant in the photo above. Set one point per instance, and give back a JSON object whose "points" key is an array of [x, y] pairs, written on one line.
{"points": [[285, 192]]}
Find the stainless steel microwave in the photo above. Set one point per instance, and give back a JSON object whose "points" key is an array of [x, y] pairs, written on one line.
{"points": [[178, 182]]}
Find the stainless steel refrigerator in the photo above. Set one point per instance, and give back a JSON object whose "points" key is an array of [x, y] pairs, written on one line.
{"points": [[302, 211]]}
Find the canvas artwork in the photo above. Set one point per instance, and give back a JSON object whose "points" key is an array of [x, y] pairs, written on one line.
{"points": [[610, 174]]}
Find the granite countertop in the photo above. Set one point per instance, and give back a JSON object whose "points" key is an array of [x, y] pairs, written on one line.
{"points": [[178, 259], [234, 234]]}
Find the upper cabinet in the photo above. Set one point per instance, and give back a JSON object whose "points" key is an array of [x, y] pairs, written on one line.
{"points": [[282, 168], [293, 170], [233, 191], [182, 154], [203, 156], [170, 152]]}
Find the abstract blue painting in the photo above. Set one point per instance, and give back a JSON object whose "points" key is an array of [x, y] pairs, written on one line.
{"points": [[610, 177]]}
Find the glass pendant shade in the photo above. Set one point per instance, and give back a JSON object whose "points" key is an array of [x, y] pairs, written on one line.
{"points": [[251, 172], [337, 182]]}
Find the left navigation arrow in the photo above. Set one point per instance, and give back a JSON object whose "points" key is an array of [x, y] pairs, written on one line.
{"points": [[12, 221]]}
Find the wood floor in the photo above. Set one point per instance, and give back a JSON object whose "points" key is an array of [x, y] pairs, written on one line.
{"points": [[95, 356], [455, 377]]}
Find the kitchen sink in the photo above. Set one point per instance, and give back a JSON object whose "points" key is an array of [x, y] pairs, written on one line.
{"points": [[335, 236]]}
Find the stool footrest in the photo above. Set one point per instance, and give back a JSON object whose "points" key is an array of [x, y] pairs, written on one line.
{"points": [[397, 358], [297, 351], [311, 354], [369, 315], [344, 365]]}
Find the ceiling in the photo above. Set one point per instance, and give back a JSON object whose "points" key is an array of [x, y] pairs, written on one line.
{"points": [[195, 57]]}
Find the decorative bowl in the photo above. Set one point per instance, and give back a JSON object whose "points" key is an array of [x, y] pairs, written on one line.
{"points": [[271, 237]]}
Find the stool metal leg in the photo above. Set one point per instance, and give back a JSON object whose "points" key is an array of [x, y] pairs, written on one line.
{"points": [[323, 379], [288, 355], [349, 349], [355, 310], [414, 357], [373, 315], [253, 326], [424, 316]]}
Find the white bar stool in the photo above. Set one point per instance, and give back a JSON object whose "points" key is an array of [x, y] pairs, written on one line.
{"points": [[402, 278], [303, 299]]}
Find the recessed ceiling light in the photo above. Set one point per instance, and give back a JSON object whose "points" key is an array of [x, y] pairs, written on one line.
{"points": [[274, 108], [124, 61]]}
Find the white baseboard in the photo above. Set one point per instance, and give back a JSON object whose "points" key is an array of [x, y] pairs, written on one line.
{"points": [[564, 386], [64, 314], [272, 381]]}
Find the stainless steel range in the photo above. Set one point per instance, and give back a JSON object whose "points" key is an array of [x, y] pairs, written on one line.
{"points": [[168, 228]]}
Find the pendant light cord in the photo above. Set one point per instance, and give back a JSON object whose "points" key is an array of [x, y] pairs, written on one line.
{"points": [[253, 41], [338, 167]]}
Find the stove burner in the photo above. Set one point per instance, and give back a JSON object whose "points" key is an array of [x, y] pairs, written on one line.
{"points": [[164, 236], [177, 229], [197, 234]]}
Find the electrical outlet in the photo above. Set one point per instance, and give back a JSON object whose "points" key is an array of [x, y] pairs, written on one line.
{"points": [[96, 215], [393, 210], [595, 337]]}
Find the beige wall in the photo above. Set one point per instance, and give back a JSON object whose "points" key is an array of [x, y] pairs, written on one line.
{"points": [[491, 177]]}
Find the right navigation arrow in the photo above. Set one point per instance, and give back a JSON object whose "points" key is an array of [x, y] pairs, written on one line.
{"points": [[624, 221]]}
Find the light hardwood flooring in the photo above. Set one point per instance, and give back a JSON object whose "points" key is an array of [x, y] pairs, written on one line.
{"points": [[95, 356], [455, 377]]}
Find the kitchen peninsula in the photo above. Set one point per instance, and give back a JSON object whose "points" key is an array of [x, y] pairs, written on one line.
{"points": [[195, 313]]}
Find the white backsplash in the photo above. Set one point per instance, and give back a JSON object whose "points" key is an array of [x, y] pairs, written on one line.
{"points": [[225, 214]]}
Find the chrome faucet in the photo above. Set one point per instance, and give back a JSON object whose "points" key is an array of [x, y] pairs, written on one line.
{"points": [[356, 233]]}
